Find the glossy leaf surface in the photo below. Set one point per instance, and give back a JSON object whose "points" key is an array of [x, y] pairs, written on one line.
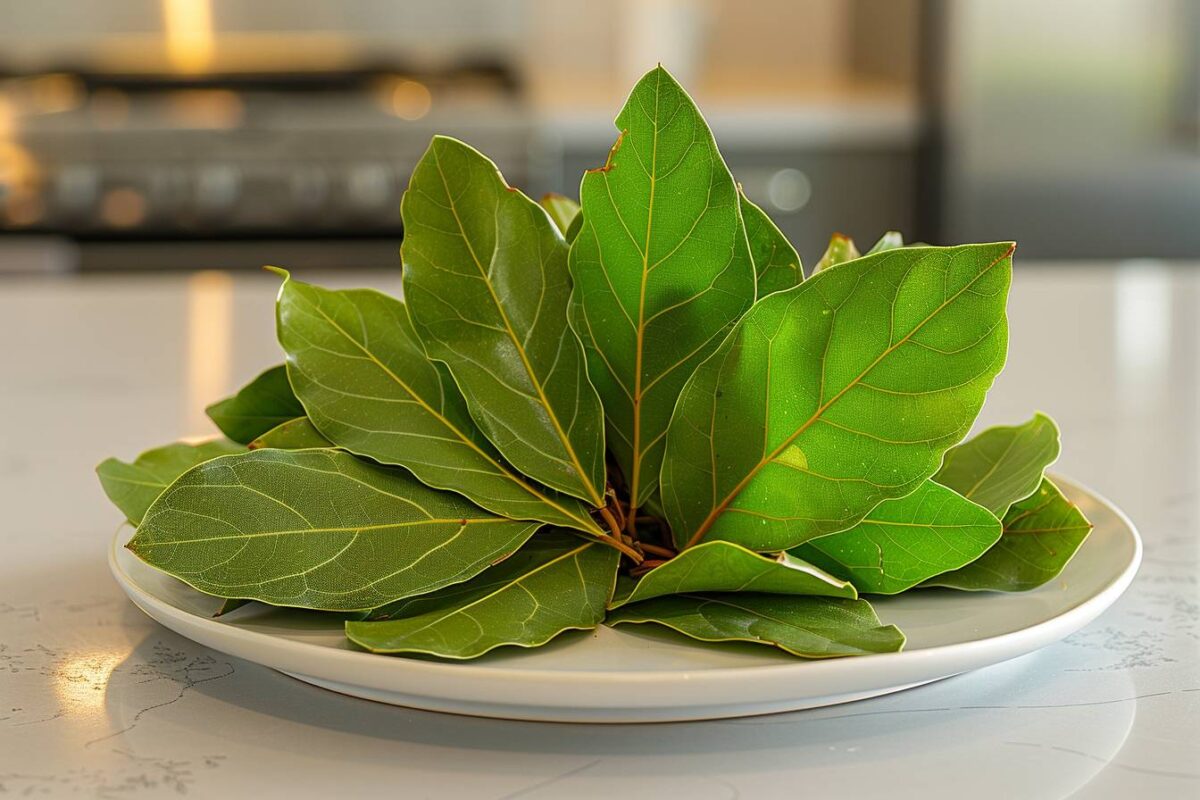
{"points": [[132, 487], [776, 262], [487, 287], [727, 567], [555, 583], [904, 541], [812, 627], [368, 387], [318, 529], [1041, 534], [661, 269], [258, 407], [831, 397], [1001, 465], [295, 434]]}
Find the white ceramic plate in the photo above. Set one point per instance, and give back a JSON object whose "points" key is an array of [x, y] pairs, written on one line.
{"points": [[643, 674]]}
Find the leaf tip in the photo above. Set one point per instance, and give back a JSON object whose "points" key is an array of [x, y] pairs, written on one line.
{"points": [[280, 271]]}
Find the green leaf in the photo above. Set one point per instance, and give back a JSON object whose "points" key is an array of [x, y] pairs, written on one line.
{"points": [[487, 287], [317, 529], [904, 541], [295, 434], [368, 387], [889, 241], [572, 232], [556, 582], [662, 269], [562, 209], [1041, 534], [260, 405], [133, 487], [811, 627], [834, 396], [727, 567], [775, 260], [841, 249], [1001, 465]]}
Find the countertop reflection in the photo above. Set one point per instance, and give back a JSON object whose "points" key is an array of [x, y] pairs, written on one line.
{"points": [[96, 700]]}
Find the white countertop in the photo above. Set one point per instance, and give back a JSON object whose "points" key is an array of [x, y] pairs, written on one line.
{"points": [[98, 701]]}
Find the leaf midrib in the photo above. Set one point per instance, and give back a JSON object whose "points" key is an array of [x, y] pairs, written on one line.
{"points": [[584, 477], [352, 529], [816, 415], [994, 466], [502, 588], [500, 470], [635, 479]]}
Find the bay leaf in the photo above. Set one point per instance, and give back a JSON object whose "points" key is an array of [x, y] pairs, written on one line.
{"points": [[1001, 465], [1041, 535], [833, 396], [555, 583], [841, 249], [776, 262], [889, 241], [906, 540], [368, 387], [258, 406], [318, 529], [727, 567], [810, 627], [133, 487], [662, 269], [487, 288], [562, 209], [574, 228], [295, 434]]}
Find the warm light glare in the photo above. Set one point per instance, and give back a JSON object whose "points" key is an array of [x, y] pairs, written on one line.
{"points": [[210, 345], [81, 681], [410, 100], [52, 94], [189, 32], [217, 109], [123, 207], [8, 117]]}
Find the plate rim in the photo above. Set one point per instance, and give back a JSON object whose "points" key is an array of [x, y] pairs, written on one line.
{"points": [[417, 668]]}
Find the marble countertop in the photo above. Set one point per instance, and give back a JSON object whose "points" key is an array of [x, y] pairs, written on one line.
{"points": [[98, 701]]}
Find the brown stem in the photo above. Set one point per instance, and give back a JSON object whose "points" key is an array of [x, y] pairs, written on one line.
{"points": [[646, 566], [615, 503], [655, 550], [614, 538]]}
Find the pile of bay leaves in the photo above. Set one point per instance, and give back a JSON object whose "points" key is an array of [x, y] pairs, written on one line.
{"points": [[634, 409]]}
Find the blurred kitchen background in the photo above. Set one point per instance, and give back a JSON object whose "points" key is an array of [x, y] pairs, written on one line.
{"points": [[198, 134]]}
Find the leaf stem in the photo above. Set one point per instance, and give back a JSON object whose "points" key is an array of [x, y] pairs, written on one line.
{"points": [[655, 550], [645, 566], [614, 538]]}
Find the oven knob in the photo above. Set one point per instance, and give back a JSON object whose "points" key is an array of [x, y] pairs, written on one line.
{"points": [[217, 189], [369, 187], [169, 189], [76, 189], [309, 189]]}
